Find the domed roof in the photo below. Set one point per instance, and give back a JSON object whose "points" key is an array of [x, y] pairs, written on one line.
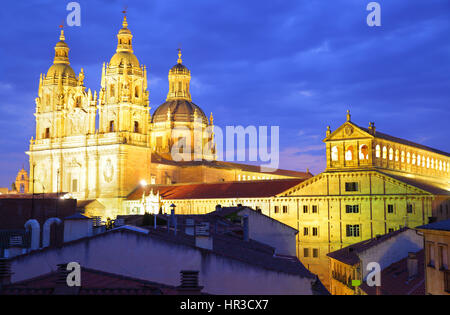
{"points": [[180, 111], [122, 57], [179, 69], [61, 68]]}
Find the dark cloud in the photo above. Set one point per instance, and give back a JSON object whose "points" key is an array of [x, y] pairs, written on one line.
{"points": [[298, 64]]}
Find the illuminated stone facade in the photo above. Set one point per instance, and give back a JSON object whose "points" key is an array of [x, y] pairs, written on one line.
{"points": [[70, 153], [359, 196]]}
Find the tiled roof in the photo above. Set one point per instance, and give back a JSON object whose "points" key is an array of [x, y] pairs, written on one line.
{"points": [[250, 252], [428, 186], [157, 159], [349, 255], [438, 226], [405, 142], [94, 282], [244, 189], [395, 279], [33, 196]]}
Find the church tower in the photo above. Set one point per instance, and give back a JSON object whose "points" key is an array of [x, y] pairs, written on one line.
{"points": [[64, 110], [124, 116], [124, 102], [181, 123]]}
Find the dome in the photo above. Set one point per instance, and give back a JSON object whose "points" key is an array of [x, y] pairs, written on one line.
{"points": [[61, 68], [179, 69], [126, 56], [180, 110]]}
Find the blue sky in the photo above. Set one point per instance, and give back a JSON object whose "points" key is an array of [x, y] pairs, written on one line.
{"points": [[297, 64]]}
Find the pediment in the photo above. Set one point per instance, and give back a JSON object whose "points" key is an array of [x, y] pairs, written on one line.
{"points": [[348, 131]]}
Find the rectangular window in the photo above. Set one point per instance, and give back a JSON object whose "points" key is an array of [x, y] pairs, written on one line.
{"points": [[277, 209], [315, 231], [285, 209], [47, 133], [390, 208], [305, 231], [74, 185], [305, 209], [430, 254], [409, 208], [391, 230], [352, 186], [314, 209], [305, 252], [111, 126], [315, 252], [447, 281], [352, 208], [352, 230], [443, 255]]}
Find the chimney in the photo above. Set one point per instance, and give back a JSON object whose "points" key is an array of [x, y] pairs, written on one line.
{"points": [[412, 265], [245, 225], [372, 128], [203, 237], [5, 272], [189, 283]]}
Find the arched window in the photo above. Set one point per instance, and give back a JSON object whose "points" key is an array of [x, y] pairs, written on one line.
{"points": [[391, 154], [349, 153], [47, 133], [111, 126], [334, 154], [403, 157], [136, 127], [136, 92], [413, 159], [112, 90], [384, 153], [440, 165], [408, 157], [363, 152], [396, 155], [418, 160], [22, 188], [428, 162], [377, 151], [432, 163]]}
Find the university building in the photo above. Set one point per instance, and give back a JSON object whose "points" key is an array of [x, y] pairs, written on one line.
{"points": [[374, 184]]}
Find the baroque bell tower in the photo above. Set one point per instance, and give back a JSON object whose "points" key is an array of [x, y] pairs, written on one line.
{"points": [[64, 110]]}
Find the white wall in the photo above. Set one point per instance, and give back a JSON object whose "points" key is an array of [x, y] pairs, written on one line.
{"points": [[392, 250], [273, 233], [148, 258]]}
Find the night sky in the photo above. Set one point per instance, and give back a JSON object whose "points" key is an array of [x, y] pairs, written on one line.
{"points": [[297, 64]]}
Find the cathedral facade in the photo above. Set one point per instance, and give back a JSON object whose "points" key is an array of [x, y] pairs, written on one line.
{"points": [[100, 146]]}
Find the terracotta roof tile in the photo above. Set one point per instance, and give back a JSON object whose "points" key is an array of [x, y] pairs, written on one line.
{"points": [[250, 189]]}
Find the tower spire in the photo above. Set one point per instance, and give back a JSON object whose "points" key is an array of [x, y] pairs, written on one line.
{"points": [[180, 61], [124, 36], [179, 81], [61, 49]]}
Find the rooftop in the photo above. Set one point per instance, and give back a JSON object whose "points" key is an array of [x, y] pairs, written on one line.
{"points": [[222, 190], [95, 282], [349, 255], [437, 226], [395, 279]]}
